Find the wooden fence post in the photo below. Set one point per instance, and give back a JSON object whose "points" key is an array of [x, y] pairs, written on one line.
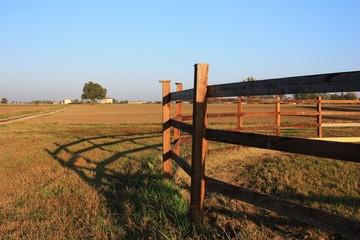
{"points": [[199, 144], [239, 111], [166, 128], [277, 116], [179, 87], [319, 118]]}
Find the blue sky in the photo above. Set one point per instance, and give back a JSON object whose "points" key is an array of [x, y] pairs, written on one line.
{"points": [[50, 49]]}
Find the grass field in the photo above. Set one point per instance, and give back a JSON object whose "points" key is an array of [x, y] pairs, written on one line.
{"points": [[96, 172], [151, 113], [12, 110]]}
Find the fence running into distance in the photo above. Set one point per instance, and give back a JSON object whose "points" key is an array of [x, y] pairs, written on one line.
{"points": [[201, 94]]}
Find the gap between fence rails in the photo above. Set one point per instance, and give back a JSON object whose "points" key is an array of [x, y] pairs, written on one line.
{"points": [[349, 81]]}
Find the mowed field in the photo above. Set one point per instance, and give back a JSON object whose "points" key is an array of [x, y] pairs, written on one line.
{"points": [[12, 110], [96, 172], [151, 113]]}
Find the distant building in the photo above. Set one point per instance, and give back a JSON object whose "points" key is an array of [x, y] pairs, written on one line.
{"points": [[55, 102], [136, 102], [107, 100], [66, 101]]}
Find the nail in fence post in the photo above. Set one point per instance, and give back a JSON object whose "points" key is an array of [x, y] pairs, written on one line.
{"points": [[199, 143], [166, 128], [277, 116], [239, 111], [179, 87], [319, 118]]}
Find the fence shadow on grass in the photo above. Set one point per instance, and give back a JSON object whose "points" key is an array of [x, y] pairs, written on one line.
{"points": [[137, 186], [126, 178]]}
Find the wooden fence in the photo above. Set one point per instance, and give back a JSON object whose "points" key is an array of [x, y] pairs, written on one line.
{"points": [[240, 114], [201, 94]]}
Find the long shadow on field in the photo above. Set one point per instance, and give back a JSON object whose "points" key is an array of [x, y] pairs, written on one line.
{"points": [[122, 168], [350, 109], [289, 227]]}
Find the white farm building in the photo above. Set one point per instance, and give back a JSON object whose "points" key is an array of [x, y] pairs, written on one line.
{"points": [[106, 100]]}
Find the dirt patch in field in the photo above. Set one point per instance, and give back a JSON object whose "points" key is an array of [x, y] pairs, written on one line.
{"points": [[10, 109], [151, 113]]}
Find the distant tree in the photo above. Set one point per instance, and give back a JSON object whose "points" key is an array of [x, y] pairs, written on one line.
{"points": [[309, 96], [296, 96], [350, 96], [325, 96], [251, 79], [268, 97], [93, 91], [121, 101], [342, 96], [305, 96], [4, 100], [76, 101], [37, 102]]}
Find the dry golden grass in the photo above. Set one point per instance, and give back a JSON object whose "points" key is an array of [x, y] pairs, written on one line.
{"points": [[82, 174], [151, 113], [58, 182], [9, 110], [321, 183]]}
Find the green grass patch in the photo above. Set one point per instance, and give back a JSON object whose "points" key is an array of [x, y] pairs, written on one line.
{"points": [[105, 182]]}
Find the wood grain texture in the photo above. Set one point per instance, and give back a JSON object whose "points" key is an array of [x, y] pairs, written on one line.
{"points": [[335, 150], [337, 223], [166, 128], [251, 100], [177, 132], [328, 113], [186, 127], [181, 162], [199, 144], [340, 139], [319, 117], [277, 115], [239, 118], [331, 82], [183, 95], [340, 124]]}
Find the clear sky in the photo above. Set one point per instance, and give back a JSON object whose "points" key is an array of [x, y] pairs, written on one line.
{"points": [[50, 49]]}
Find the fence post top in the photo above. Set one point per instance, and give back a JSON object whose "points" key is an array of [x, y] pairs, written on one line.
{"points": [[164, 81], [201, 64]]}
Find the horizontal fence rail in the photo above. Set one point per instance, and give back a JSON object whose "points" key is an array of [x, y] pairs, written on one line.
{"points": [[323, 83], [200, 134], [341, 151], [316, 217]]}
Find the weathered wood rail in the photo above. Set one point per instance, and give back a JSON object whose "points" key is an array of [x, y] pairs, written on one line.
{"points": [[278, 113], [201, 94]]}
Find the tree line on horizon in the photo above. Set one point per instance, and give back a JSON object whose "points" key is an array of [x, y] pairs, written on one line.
{"points": [[94, 91]]}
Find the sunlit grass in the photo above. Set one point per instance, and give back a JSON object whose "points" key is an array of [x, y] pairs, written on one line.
{"points": [[105, 182], [28, 112]]}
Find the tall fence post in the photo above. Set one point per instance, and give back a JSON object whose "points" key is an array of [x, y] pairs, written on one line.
{"points": [[199, 143], [179, 87], [166, 128], [277, 114], [239, 111], [319, 118]]}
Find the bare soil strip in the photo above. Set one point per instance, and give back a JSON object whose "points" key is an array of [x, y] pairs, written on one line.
{"points": [[29, 116]]}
